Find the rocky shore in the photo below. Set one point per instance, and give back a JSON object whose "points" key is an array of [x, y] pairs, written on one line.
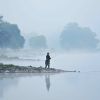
{"points": [[10, 68]]}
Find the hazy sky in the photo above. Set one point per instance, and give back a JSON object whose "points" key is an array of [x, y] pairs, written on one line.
{"points": [[50, 16]]}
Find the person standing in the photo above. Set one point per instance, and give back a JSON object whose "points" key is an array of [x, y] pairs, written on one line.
{"points": [[47, 61]]}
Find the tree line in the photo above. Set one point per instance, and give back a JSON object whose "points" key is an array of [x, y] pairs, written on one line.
{"points": [[72, 37]]}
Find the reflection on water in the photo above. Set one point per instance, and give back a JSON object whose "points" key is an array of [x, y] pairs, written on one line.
{"points": [[72, 86], [6, 82], [47, 80]]}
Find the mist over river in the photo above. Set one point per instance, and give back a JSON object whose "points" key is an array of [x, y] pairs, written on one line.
{"points": [[64, 86]]}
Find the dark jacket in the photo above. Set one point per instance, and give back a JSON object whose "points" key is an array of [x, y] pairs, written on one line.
{"points": [[48, 58]]}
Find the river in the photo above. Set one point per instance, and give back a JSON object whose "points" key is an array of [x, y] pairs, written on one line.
{"points": [[64, 86]]}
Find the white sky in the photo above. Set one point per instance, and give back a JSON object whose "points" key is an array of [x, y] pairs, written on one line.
{"points": [[49, 17]]}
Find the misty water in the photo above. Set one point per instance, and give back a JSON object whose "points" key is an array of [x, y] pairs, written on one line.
{"points": [[64, 86]]}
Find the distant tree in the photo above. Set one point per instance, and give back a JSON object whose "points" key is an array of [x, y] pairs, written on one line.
{"points": [[10, 36], [75, 37], [1, 17], [38, 42]]}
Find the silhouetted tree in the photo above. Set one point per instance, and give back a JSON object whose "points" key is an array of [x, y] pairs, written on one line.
{"points": [[1, 17], [10, 36], [75, 37], [38, 42]]}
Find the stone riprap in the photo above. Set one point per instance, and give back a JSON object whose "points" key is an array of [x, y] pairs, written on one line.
{"points": [[10, 68]]}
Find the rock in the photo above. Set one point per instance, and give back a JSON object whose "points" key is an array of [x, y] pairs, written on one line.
{"points": [[4, 68]]}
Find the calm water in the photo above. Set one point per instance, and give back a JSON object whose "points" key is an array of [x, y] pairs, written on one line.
{"points": [[66, 86]]}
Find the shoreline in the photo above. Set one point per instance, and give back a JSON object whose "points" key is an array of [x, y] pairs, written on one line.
{"points": [[10, 68]]}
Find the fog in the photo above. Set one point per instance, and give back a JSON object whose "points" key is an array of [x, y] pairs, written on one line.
{"points": [[73, 86], [73, 37], [42, 24], [48, 17], [69, 30]]}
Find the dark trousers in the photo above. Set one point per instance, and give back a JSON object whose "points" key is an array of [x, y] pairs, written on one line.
{"points": [[47, 64]]}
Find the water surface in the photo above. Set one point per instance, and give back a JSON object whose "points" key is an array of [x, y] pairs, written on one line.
{"points": [[65, 86]]}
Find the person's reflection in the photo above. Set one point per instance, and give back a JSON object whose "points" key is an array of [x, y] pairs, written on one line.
{"points": [[47, 80]]}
